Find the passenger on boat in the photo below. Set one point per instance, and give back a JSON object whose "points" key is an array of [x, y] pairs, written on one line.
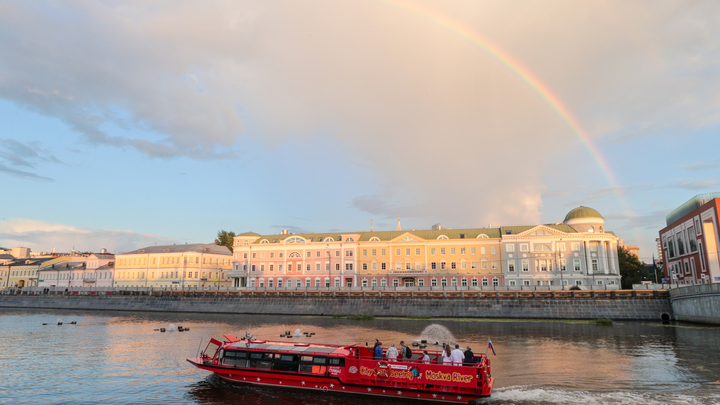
{"points": [[426, 358], [377, 351], [392, 353], [447, 360], [469, 357], [457, 356], [405, 351]]}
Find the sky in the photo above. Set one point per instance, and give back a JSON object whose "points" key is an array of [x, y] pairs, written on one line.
{"points": [[125, 124]]}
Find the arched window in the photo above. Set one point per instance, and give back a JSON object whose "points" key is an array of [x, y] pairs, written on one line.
{"points": [[591, 229], [482, 236], [294, 255], [374, 239], [442, 237], [349, 240], [264, 241], [329, 239], [294, 239], [542, 248]]}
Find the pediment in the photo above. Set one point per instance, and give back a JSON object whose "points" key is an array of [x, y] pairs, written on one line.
{"points": [[542, 230], [407, 237]]}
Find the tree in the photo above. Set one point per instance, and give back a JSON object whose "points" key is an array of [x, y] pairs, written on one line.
{"points": [[225, 238], [632, 270]]}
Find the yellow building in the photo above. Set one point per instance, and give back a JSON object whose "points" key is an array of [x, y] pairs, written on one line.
{"points": [[174, 267], [24, 272]]}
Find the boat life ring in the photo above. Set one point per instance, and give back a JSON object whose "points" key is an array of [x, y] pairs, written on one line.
{"points": [[382, 369]]}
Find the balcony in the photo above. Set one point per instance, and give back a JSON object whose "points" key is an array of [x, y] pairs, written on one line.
{"points": [[408, 273], [237, 273]]}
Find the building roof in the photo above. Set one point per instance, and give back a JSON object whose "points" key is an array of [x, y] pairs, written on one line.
{"points": [[470, 233], [249, 234], [193, 247], [582, 212], [104, 256], [514, 230], [689, 206]]}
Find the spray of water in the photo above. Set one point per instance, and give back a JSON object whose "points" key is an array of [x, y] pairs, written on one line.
{"points": [[437, 334]]}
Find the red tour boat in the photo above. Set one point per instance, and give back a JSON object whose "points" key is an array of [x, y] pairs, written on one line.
{"points": [[349, 369]]}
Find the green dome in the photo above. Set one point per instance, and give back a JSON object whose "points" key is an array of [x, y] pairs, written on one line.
{"points": [[582, 212], [249, 234]]}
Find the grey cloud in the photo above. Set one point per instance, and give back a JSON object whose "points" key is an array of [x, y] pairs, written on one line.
{"points": [[694, 185], [23, 174], [443, 128], [16, 155], [696, 166]]}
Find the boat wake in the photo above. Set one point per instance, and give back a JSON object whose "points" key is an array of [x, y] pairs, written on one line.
{"points": [[531, 395]]}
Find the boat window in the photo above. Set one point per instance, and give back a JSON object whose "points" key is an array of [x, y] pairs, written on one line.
{"points": [[306, 359], [256, 356], [288, 357], [336, 362], [319, 360], [236, 354]]}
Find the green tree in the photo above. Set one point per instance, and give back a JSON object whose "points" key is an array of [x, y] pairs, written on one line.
{"points": [[225, 238], [632, 270]]}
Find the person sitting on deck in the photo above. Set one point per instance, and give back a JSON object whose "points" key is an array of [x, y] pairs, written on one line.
{"points": [[377, 351], [426, 358], [457, 356], [469, 357], [392, 353]]}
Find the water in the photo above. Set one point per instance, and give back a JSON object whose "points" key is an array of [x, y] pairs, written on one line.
{"points": [[119, 358]]}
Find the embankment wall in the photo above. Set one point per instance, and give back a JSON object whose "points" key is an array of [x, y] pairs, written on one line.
{"points": [[632, 308], [699, 303]]}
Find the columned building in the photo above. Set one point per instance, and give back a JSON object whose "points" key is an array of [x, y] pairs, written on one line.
{"points": [[690, 241], [577, 252]]}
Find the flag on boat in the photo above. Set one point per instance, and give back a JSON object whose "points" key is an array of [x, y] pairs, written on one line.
{"points": [[491, 347]]}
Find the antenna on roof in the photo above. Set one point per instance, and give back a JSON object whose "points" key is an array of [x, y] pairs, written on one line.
{"points": [[371, 222], [399, 224]]}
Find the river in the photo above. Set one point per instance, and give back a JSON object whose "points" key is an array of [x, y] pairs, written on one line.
{"points": [[118, 357]]}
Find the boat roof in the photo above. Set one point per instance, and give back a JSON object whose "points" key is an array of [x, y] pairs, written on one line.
{"points": [[290, 347]]}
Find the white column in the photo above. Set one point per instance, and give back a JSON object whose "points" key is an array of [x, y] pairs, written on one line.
{"points": [[606, 256], [588, 263]]}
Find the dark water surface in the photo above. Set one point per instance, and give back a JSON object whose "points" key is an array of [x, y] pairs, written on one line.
{"points": [[116, 357]]}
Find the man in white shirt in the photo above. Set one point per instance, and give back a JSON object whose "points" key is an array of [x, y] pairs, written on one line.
{"points": [[457, 356], [392, 353]]}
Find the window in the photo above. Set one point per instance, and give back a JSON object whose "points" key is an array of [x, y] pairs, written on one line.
{"points": [[526, 282], [364, 266], [374, 282], [563, 266], [453, 282], [383, 283], [452, 251], [433, 283], [364, 252], [395, 283], [485, 282], [407, 251], [307, 283], [417, 251], [279, 283], [398, 266], [397, 252], [462, 251], [443, 283], [272, 267], [493, 250], [482, 250], [512, 283], [509, 248], [575, 246], [382, 252], [374, 239], [474, 282], [374, 266], [463, 282], [433, 266], [576, 264], [317, 266], [524, 247], [348, 253], [511, 266], [442, 251], [542, 248], [348, 266], [432, 251], [421, 283], [494, 265], [374, 252], [442, 265], [483, 264], [561, 247], [317, 283], [525, 265], [473, 265], [383, 266], [364, 283], [463, 265], [578, 282], [453, 265], [594, 263]]}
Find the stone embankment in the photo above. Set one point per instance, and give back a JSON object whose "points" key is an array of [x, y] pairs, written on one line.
{"points": [[612, 304], [698, 303]]}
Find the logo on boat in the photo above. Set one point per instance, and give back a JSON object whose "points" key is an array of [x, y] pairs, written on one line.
{"points": [[353, 370]]}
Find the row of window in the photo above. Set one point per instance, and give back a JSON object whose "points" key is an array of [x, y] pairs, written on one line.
{"points": [[683, 241], [547, 265], [214, 275], [173, 260]]}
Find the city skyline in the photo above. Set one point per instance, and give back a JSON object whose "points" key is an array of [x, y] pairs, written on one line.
{"points": [[126, 125]]}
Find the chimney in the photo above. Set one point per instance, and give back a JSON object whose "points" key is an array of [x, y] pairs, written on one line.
{"points": [[437, 227], [103, 250]]}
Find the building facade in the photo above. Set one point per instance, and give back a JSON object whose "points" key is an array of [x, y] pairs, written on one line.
{"points": [[200, 265], [577, 252], [690, 242]]}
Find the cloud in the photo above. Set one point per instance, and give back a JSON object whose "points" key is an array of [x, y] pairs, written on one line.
{"points": [[16, 155], [694, 185], [44, 236], [445, 129], [701, 165]]}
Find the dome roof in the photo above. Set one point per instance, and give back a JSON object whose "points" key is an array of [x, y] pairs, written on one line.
{"points": [[249, 234], [582, 212]]}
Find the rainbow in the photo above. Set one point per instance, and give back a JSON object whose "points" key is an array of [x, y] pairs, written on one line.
{"points": [[524, 74]]}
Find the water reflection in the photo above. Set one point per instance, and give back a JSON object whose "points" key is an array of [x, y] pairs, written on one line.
{"points": [[120, 358]]}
